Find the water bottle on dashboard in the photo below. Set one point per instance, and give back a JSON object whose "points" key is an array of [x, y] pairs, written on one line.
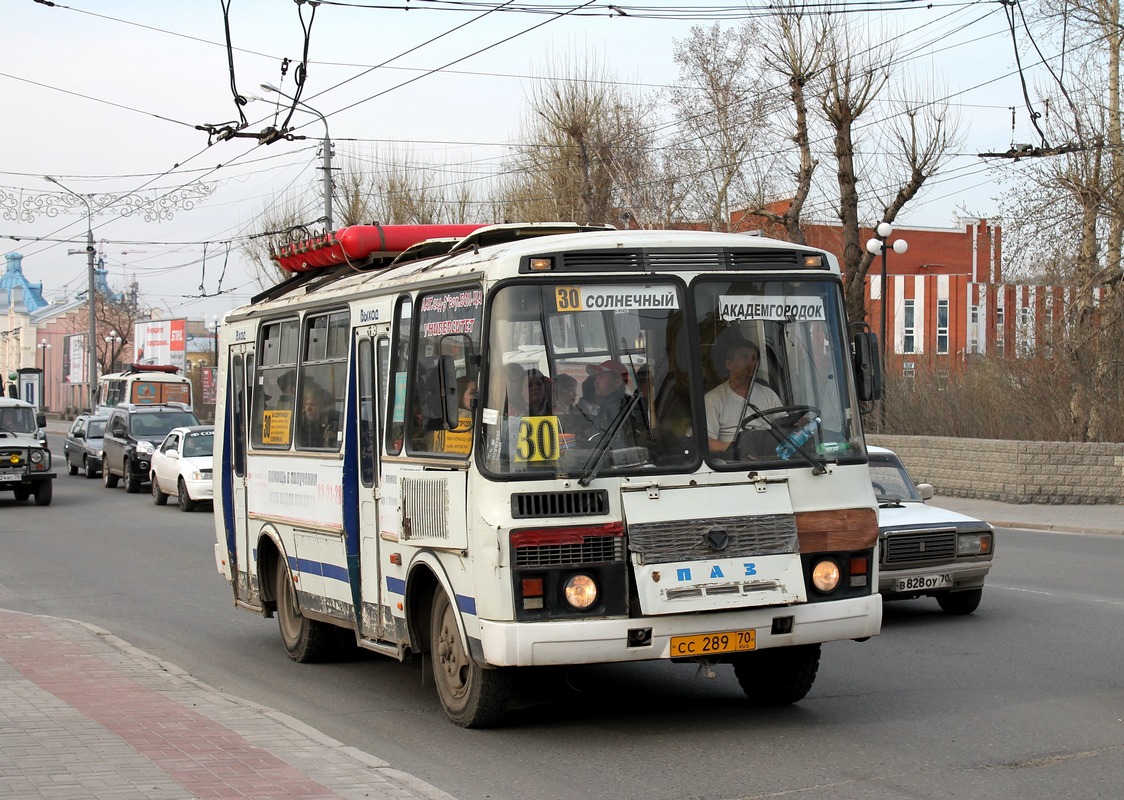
{"points": [[789, 446]]}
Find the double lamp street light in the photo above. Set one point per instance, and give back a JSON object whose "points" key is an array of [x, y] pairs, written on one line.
{"points": [[876, 246]]}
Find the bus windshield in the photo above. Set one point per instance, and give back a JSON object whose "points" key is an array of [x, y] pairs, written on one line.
{"points": [[621, 377], [774, 362]]}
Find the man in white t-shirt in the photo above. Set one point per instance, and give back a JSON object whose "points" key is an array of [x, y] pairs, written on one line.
{"points": [[727, 404]]}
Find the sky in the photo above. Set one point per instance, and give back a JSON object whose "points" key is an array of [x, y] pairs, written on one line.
{"points": [[104, 96]]}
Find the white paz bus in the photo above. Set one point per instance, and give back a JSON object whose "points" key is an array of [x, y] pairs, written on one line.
{"points": [[547, 445]]}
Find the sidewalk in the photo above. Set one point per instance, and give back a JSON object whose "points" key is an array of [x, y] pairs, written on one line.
{"points": [[1062, 518], [85, 715]]}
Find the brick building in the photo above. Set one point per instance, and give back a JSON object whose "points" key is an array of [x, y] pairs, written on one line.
{"points": [[945, 296]]}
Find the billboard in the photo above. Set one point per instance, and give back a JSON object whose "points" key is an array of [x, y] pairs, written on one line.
{"points": [[74, 359], [161, 342]]}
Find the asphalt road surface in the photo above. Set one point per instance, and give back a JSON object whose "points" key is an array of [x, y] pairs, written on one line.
{"points": [[1023, 699]]}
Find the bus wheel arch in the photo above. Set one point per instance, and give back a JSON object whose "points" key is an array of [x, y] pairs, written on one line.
{"points": [[305, 640], [472, 694]]}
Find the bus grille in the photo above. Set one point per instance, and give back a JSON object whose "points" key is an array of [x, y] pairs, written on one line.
{"points": [[686, 540], [592, 550], [917, 547], [560, 504]]}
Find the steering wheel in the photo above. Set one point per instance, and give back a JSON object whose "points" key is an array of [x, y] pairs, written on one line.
{"points": [[797, 411]]}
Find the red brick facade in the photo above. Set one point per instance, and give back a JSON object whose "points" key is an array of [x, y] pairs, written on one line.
{"points": [[946, 295]]}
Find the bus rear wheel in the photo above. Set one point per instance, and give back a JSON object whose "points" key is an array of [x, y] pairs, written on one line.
{"points": [[472, 696], [306, 640], [780, 676]]}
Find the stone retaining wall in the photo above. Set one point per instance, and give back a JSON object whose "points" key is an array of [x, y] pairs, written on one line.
{"points": [[1013, 472]]}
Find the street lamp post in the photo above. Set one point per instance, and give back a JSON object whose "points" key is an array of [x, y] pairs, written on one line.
{"points": [[269, 87], [44, 346], [91, 335], [215, 334], [112, 343], [877, 246]]}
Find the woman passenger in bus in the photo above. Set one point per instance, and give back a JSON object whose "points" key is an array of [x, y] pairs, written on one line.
{"points": [[318, 422], [571, 417]]}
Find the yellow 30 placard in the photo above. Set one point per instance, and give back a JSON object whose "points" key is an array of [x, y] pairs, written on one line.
{"points": [[275, 426], [537, 440]]}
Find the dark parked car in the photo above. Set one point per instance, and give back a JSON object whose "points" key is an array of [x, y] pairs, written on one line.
{"points": [[131, 436], [82, 449]]}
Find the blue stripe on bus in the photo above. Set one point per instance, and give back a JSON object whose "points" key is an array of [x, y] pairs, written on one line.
{"points": [[310, 567], [464, 603]]}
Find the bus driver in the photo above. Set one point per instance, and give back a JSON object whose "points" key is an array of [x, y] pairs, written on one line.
{"points": [[728, 403]]}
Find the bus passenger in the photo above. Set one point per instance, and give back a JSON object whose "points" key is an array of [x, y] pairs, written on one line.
{"points": [[570, 414], [318, 422]]}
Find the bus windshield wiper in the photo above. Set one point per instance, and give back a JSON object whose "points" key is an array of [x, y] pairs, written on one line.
{"points": [[593, 463]]}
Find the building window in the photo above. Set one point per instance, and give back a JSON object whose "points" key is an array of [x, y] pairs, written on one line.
{"points": [[974, 330], [942, 327], [999, 330], [908, 327]]}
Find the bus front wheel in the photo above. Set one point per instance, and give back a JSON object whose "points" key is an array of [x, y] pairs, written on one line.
{"points": [[306, 640], [780, 676], [472, 696]]}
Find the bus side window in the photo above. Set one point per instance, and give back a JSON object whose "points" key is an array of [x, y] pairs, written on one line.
{"points": [[273, 386], [395, 421], [323, 379]]}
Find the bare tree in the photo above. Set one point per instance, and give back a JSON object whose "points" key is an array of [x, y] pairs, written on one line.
{"points": [[719, 99], [585, 152]]}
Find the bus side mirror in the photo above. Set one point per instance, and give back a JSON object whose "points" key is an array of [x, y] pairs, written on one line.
{"points": [[437, 392], [868, 367]]}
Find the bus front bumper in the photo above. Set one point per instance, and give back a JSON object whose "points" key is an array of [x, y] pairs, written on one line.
{"points": [[594, 641]]}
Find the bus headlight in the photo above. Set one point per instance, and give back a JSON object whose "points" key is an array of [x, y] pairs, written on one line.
{"points": [[580, 590], [825, 575]]}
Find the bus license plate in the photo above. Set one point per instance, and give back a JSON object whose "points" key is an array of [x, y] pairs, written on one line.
{"points": [[713, 643], [922, 582]]}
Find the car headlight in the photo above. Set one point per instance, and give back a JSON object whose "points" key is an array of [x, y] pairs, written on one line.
{"points": [[145, 448], [825, 575], [973, 544], [580, 591], [195, 475], [36, 456]]}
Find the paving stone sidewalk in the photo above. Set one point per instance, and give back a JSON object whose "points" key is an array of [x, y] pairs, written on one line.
{"points": [[85, 715]]}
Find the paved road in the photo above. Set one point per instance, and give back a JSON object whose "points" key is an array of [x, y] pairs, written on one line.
{"points": [[1018, 700]]}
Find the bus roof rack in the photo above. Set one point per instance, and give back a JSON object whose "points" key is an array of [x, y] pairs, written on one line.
{"points": [[131, 369]]}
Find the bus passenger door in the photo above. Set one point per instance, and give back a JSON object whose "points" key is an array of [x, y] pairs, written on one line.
{"points": [[372, 346], [238, 403]]}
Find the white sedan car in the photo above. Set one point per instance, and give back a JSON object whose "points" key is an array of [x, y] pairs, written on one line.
{"points": [[924, 550], [181, 467]]}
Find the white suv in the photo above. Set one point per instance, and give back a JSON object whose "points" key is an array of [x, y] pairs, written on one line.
{"points": [[924, 550], [25, 460]]}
